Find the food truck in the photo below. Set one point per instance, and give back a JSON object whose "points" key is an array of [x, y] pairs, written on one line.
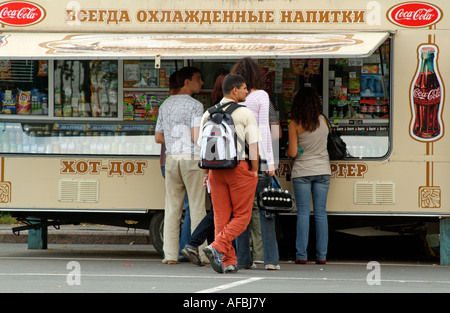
{"points": [[81, 83]]}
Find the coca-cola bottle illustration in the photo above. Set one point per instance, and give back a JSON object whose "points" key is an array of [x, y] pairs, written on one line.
{"points": [[427, 96]]}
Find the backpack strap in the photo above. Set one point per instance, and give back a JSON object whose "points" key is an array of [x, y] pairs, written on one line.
{"points": [[233, 106], [219, 107]]}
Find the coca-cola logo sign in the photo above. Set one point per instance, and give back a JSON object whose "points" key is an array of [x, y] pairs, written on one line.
{"points": [[20, 13], [414, 14], [433, 94]]}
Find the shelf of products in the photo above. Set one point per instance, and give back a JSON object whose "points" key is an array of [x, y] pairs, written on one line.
{"points": [[23, 87], [143, 74], [86, 88], [359, 88]]}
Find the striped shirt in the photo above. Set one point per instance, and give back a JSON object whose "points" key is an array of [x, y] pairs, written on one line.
{"points": [[258, 102]]}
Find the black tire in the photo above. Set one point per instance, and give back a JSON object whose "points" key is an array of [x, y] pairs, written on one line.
{"points": [[156, 229]]}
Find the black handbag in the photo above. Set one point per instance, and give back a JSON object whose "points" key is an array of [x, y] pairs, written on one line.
{"points": [[337, 148], [274, 199]]}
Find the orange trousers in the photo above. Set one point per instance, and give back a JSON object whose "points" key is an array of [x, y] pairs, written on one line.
{"points": [[232, 193]]}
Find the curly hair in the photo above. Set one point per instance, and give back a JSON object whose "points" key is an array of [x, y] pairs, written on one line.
{"points": [[306, 108], [251, 71]]}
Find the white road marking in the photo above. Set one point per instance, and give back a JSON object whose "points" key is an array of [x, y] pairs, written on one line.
{"points": [[230, 285]]}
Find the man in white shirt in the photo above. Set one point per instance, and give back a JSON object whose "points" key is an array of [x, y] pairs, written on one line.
{"points": [[178, 127]]}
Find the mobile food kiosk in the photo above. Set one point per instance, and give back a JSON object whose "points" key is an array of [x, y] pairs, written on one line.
{"points": [[81, 83]]}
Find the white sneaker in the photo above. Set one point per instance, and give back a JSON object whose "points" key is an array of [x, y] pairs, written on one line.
{"points": [[272, 267]]}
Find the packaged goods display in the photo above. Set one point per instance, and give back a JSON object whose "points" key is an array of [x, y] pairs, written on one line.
{"points": [[86, 88], [142, 106], [284, 77], [359, 88], [142, 74], [23, 87]]}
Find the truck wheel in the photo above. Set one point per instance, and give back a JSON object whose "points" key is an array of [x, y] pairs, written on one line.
{"points": [[156, 231]]}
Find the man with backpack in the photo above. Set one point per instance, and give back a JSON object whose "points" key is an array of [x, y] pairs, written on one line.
{"points": [[233, 186]]}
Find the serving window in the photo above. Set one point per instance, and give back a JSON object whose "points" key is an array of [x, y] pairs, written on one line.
{"points": [[359, 102], [110, 107]]}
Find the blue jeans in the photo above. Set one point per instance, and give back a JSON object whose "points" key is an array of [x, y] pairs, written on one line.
{"points": [[304, 188], [203, 230], [268, 234]]}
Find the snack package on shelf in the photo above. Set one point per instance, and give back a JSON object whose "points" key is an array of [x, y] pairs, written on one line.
{"points": [[24, 103], [8, 100]]}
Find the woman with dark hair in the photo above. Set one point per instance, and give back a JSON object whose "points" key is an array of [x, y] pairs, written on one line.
{"points": [[217, 93], [258, 102], [311, 171]]}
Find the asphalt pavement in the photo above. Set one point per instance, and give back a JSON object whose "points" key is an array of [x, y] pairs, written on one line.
{"points": [[92, 268], [105, 259]]}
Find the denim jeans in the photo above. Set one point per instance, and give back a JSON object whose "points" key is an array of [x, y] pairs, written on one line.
{"points": [[203, 230], [268, 234], [317, 188]]}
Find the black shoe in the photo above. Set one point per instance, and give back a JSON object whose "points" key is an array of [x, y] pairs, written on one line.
{"points": [[191, 254]]}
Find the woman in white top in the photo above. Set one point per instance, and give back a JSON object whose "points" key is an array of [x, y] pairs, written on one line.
{"points": [[258, 102], [311, 171]]}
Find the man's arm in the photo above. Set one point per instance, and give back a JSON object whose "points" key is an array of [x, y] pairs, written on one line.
{"points": [[159, 137], [195, 131]]}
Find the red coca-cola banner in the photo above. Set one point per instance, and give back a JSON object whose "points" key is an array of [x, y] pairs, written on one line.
{"points": [[414, 14], [20, 13]]}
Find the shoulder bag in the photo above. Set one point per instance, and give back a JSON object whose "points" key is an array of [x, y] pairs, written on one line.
{"points": [[337, 148]]}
